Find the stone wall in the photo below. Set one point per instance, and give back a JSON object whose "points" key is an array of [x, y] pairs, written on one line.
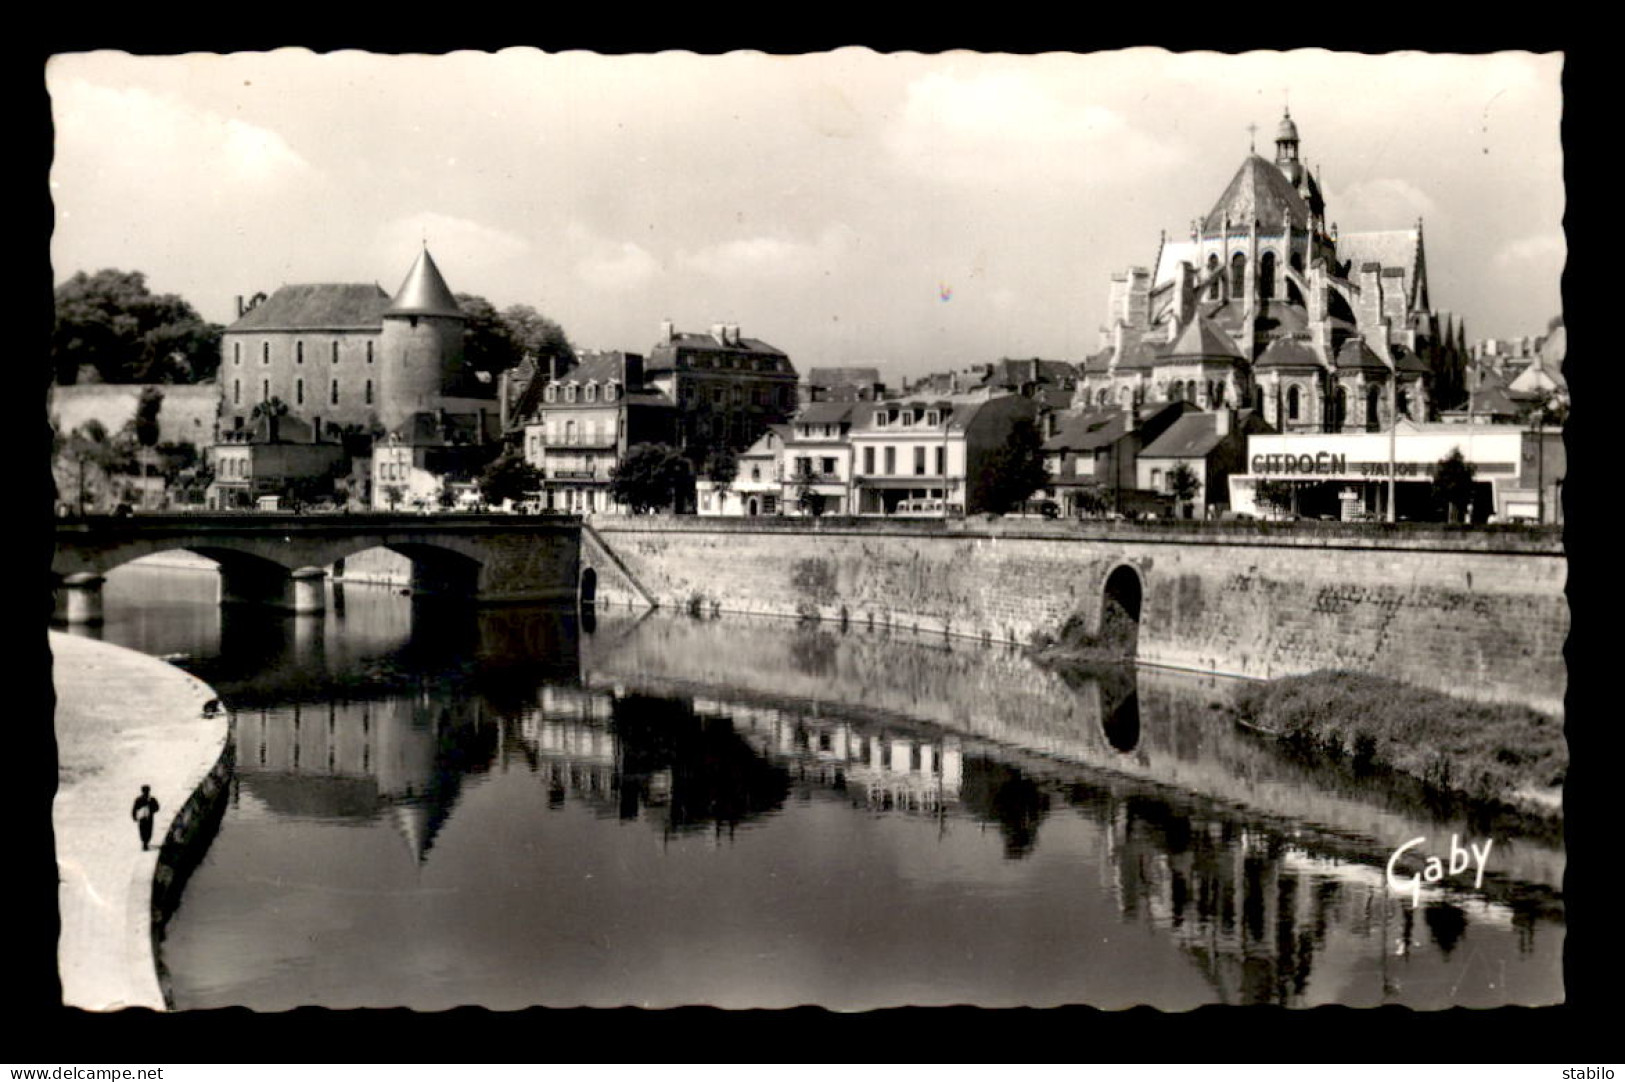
{"points": [[1477, 613]]}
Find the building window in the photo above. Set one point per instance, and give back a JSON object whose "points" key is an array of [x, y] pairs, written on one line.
{"points": [[1213, 273], [1266, 276], [609, 392], [1292, 404], [265, 352], [932, 418], [333, 393], [569, 432], [369, 352], [236, 353], [908, 419], [590, 392], [299, 392], [1156, 479], [298, 353], [868, 460], [335, 351], [265, 390], [551, 393], [881, 419], [369, 392], [919, 461], [942, 461], [1238, 275], [891, 460], [236, 392], [716, 396], [828, 466], [570, 392], [1216, 395]]}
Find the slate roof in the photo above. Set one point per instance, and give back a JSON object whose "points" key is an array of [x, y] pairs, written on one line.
{"points": [[323, 306], [823, 413], [836, 377], [1259, 191], [1357, 356], [1088, 430], [683, 340], [424, 292], [1288, 353], [1203, 340], [1191, 436], [1141, 354]]}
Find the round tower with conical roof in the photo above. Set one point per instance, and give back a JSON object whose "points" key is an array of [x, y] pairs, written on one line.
{"points": [[421, 344]]}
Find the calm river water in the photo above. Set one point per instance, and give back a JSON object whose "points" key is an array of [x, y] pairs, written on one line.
{"points": [[436, 805]]}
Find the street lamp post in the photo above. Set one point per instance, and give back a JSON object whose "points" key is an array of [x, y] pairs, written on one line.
{"points": [[1393, 433]]}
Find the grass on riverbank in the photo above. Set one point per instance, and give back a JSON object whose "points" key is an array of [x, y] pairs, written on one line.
{"points": [[1485, 752]]}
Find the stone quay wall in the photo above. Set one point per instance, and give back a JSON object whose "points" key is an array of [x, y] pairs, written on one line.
{"points": [[1479, 613]]}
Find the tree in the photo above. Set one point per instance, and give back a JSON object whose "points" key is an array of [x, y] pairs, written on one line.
{"points": [[722, 469], [90, 463], [808, 498], [508, 477], [1183, 483], [1453, 484], [111, 328], [1013, 472], [1092, 501], [495, 341], [273, 410], [1275, 495], [652, 476], [539, 337], [488, 346]]}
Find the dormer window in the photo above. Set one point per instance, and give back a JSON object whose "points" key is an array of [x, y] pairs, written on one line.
{"points": [[589, 393], [933, 418], [881, 419], [908, 419], [570, 392], [551, 394], [610, 390]]}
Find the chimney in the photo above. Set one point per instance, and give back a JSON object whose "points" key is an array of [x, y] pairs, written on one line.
{"points": [[632, 370], [240, 308], [668, 331], [732, 331], [1221, 422], [719, 331]]}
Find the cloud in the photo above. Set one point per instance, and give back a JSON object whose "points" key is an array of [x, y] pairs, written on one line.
{"points": [[1541, 250], [454, 241], [754, 258], [1380, 203], [136, 138], [1004, 127], [617, 266]]}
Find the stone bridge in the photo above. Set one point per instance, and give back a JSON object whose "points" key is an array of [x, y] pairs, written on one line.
{"points": [[282, 559]]}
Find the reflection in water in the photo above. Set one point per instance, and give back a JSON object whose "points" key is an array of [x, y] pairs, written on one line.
{"points": [[438, 805]]}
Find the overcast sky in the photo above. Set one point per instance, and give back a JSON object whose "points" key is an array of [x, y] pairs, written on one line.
{"points": [[912, 212]]}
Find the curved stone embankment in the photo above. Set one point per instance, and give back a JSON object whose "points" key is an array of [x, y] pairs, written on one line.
{"points": [[123, 720]]}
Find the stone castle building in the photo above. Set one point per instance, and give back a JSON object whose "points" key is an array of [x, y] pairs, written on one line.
{"points": [[1265, 305], [351, 357]]}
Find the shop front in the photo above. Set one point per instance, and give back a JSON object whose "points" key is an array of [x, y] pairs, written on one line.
{"points": [[1517, 474]]}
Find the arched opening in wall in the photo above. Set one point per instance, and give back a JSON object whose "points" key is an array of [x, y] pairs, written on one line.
{"points": [[1120, 612], [750, 508], [416, 569], [163, 603], [1238, 276], [1213, 277], [1266, 276]]}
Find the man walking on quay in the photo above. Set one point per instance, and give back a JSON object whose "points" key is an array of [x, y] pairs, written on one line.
{"points": [[146, 806]]}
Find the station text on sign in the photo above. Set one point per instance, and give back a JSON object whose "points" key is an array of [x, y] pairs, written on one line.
{"points": [[1326, 463]]}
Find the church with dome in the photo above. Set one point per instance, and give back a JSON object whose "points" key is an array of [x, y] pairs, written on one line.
{"points": [[1265, 306]]}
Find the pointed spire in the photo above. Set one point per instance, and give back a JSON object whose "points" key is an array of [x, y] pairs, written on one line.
{"points": [[424, 292]]}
